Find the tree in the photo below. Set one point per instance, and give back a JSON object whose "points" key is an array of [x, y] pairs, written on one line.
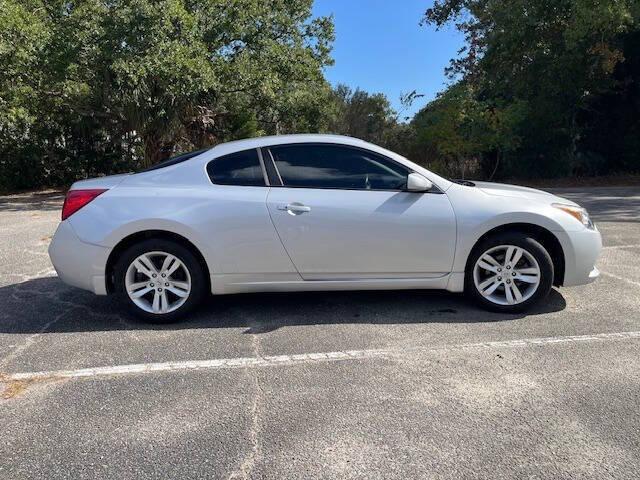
{"points": [[555, 59], [174, 65], [141, 79], [454, 127], [360, 114]]}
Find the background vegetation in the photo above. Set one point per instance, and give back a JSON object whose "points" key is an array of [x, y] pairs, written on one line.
{"points": [[543, 88]]}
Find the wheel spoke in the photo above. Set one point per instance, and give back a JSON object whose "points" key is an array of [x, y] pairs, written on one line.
{"points": [[156, 302], [509, 294], [140, 293], [489, 286], [181, 285], [529, 270], [507, 255], [164, 302], [488, 282], [488, 267], [527, 278], [491, 289], [515, 258], [178, 292], [513, 255], [146, 261], [169, 260], [137, 286], [516, 292], [144, 266], [175, 266], [490, 260], [142, 269]]}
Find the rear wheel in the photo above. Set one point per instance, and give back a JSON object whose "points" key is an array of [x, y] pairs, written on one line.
{"points": [[509, 273], [161, 280]]}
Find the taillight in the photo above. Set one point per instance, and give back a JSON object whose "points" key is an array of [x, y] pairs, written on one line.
{"points": [[76, 199]]}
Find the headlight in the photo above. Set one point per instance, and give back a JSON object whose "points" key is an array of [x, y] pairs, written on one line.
{"points": [[578, 213]]}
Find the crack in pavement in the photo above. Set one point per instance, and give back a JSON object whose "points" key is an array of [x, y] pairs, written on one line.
{"points": [[30, 340], [25, 277], [319, 357], [248, 466], [52, 297], [623, 279]]}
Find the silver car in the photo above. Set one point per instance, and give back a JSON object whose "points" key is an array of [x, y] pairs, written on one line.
{"points": [[314, 212]]}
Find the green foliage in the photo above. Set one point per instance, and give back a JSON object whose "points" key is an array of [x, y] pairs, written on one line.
{"points": [[360, 114], [89, 87], [96, 86], [552, 70]]}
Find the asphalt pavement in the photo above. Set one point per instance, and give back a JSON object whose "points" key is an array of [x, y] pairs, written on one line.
{"points": [[402, 384]]}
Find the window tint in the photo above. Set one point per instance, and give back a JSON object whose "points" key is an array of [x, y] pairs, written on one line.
{"points": [[242, 168], [175, 160], [269, 166], [335, 166]]}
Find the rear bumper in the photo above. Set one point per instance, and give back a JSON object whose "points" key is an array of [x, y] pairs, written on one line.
{"points": [[78, 263], [581, 251]]}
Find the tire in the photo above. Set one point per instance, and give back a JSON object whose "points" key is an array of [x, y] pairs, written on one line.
{"points": [[178, 293], [500, 284]]}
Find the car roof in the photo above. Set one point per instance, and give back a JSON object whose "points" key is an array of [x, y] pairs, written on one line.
{"points": [[189, 171], [246, 144], [251, 143]]}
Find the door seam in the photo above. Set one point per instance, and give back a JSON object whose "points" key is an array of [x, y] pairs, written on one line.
{"points": [[273, 224]]}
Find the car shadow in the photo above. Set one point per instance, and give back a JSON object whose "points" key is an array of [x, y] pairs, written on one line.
{"points": [[48, 305]]}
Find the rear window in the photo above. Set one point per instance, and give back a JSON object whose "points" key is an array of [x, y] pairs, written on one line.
{"points": [[174, 160], [240, 168]]}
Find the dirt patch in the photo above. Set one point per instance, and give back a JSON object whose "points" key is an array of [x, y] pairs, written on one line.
{"points": [[15, 388], [33, 203]]}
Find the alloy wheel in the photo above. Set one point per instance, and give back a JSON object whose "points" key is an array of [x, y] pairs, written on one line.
{"points": [[158, 282], [507, 275]]}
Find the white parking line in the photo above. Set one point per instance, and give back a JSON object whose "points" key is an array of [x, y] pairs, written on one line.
{"points": [[275, 360], [613, 247]]}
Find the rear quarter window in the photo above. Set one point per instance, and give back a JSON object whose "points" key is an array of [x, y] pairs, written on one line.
{"points": [[175, 160], [240, 168]]}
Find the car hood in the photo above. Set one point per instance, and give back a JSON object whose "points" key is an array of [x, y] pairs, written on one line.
{"points": [[504, 190]]}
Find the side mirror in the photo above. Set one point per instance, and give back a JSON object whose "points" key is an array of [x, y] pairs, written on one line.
{"points": [[417, 183]]}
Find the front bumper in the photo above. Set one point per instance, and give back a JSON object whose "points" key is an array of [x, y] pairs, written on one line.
{"points": [[581, 250], [78, 263]]}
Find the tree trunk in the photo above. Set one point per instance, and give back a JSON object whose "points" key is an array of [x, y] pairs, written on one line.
{"points": [[155, 150], [495, 169], [151, 150]]}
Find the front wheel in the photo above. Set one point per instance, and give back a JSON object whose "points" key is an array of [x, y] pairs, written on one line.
{"points": [[509, 273], [161, 280]]}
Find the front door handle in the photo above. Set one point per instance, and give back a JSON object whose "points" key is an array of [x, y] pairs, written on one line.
{"points": [[294, 208]]}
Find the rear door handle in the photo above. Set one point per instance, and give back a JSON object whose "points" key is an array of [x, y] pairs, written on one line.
{"points": [[294, 208]]}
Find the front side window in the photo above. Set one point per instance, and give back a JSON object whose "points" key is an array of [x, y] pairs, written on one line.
{"points": [[241, 168], [337, 166]]}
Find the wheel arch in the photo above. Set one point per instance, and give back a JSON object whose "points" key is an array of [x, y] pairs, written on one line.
{"points": [[545, 237], [137, 237]]}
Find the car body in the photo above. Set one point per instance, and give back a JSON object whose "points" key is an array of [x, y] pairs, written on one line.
{"points": [[253, 231]]}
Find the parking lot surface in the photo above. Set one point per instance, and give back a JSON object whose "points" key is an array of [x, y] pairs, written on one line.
{"points": [[411, 384]]}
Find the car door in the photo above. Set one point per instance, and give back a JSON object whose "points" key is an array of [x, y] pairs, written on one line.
{"points": [[235, 223], [343, 213]]}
